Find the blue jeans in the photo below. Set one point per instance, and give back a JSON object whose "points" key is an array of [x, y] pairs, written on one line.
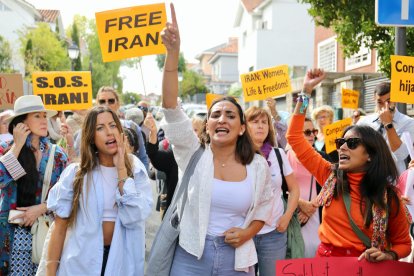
{"points": [[270, 247], [217, 260]]}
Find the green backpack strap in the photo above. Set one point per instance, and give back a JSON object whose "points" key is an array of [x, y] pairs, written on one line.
{"points": [[361, 235]]}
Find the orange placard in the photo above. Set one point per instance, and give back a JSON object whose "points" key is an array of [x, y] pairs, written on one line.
{"points": [[402, 79], [210, 98], [342, 266], [11, 87], [131, 32], [334, 131], [262, 84], [64, 90], [350, 98]]}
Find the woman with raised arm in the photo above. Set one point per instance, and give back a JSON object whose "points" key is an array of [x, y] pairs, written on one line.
{"points": [[229, 193], [360, 190], [100, 205]]}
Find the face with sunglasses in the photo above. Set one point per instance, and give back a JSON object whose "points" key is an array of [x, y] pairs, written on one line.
{"points": [[353, 156], [108, 98], [310, 132]]}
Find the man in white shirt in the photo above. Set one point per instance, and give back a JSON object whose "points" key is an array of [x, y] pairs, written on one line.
{"points": [[391, 124]]}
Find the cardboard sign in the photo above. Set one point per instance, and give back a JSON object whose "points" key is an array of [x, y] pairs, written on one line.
{"points": [[350, 98], [402, 80], [210, 99], [265, 83], [342, 266], [64, 90], [334, 131], [131, 32], [11, 87]]}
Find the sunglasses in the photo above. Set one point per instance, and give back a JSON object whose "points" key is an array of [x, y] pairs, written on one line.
{"points": [[351, 143], [109, 101], [309, 132], [143, 108]]}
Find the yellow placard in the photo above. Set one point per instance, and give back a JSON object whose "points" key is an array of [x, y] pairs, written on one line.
{"points": [[131, 32], [210, 97], [64, 90], [334, 131], [11, 87], [265, 83], [402, 79], [350, 98]]}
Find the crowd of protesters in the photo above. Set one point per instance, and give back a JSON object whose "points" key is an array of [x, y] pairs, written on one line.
{"points": [[254, 189]]}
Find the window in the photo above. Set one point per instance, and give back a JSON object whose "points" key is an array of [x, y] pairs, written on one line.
{"points": [[4, 7], [327, 53], [360, 59]]}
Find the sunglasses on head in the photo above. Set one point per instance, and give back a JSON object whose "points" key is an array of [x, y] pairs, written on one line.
{"points": [[309, 132], [109, 101], [143, 108], [351, 143]]}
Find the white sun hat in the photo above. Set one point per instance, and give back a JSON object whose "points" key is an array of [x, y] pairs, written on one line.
{"points": [[30, 104]]}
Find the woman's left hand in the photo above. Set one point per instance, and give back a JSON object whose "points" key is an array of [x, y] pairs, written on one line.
{"points": [[283, 224], [375, 255], [31, 213], [236, 236], [118, 158]]}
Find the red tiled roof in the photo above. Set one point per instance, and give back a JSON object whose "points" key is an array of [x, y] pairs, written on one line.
{"points": [[49, 15], [230, 47], [250, 5]]}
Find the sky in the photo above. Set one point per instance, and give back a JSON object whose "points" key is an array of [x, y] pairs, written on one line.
{"points": [[203, 24]]}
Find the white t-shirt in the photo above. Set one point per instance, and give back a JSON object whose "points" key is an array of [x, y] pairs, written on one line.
{"points": [[276, 180], [230, 202]]}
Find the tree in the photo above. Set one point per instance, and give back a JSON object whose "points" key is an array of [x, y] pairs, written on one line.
{"points": [[103, 74], [354, 23], [42, 50], [75, 38], [5, 56], [192, 83], [235, 90], [130, 98], [181, 62]]}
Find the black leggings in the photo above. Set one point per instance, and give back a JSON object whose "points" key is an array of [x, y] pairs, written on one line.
{"points": [[105, 258]]}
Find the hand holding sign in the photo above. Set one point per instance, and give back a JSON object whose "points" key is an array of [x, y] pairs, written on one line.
{"points": [[312, 78], [170, 35]]}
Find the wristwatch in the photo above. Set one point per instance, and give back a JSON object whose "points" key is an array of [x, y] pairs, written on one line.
{"points": [[389, 126]]}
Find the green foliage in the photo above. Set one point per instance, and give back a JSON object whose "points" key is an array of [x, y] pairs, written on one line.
{"points": [[103, 74], [354, 23], [43, 51], [5, 56], [130, 98], [77, 66], [192, 83], [235, 90], [181, 62]]}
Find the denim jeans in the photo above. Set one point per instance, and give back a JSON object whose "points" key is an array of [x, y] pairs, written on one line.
{"points": [[270, 247], [217, 260]]}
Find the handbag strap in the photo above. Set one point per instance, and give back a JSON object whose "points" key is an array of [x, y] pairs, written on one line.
{"points": [[361, 235], [48, 173], [284, 183], [311, 185]]}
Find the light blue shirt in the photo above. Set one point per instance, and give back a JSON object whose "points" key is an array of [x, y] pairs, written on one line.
{"points": [[82, 253]]}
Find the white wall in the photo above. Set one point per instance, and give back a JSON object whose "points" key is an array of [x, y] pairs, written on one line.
{"points": [[289, 41]]}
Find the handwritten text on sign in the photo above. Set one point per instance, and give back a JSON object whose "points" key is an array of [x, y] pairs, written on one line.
{"points": [[402, 81], [11, 87], [334, 131], [265, 83], [131, 32], [64, 90], [350, 98], [341, 266]]}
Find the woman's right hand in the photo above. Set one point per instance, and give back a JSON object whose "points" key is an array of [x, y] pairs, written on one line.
{"points": [[20, 133], [307, 207], [312, 78], [170, 35]]}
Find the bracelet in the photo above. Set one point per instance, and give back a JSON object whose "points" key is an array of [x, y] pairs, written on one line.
{"points": [[173, 70], [393, 255], [304, 99], [122, 180]]}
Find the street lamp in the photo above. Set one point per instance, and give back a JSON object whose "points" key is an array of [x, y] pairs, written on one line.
{"points": [[73, 51]]}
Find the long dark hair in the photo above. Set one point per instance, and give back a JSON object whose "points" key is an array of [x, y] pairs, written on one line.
{"points": [[380, 176], [27, 184], [244, 145]]}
